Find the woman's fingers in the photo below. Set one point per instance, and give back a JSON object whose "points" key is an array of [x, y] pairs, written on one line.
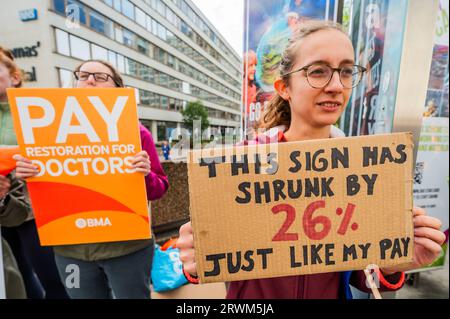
{"points": [[18, 157], [417, 211], [430, 233], [141, 163], [25, 167], [429, 245], [427, 221], [185, 244]]}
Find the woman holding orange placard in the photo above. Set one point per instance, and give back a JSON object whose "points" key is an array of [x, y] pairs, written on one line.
{"points": [[116, 269], [36, 263]]}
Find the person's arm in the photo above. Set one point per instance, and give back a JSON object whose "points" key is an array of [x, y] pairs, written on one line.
{"points": [[15, 206], [156, 181]]}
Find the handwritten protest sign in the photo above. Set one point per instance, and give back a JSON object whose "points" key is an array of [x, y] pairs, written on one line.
{"points": [[82, 140], [307, 207]]}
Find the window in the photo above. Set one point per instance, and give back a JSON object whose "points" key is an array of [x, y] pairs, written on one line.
{"points": [[171, 61], [164, 102], [186, 88], [144, 73], [144, 97], [161, 8], [142, 45], [62, 42], [163, 79], [154, 27], [128, 9], [175, 84], [140, 17], [79, 48], [99, 53], [172, 104], [112, 58], [75, 9], [149, 23], [171, 16], [97, 22], [59, 6], [117, 5], [179, 105], [109, 2], [161, 56], [162, 32], [109, 29], [119, 34], [128, 38], [65, 78], [154, 101], [121, 63]]}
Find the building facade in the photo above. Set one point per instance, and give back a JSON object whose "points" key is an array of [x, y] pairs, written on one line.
{"points": [[166, 49]]}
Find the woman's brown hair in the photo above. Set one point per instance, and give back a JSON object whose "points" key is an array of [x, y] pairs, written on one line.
{"points": [[7, 58], [278, 111], [117, 78]]}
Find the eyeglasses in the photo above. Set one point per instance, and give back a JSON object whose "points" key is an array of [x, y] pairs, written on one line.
{"points": [[319, 75], [98, 76]]}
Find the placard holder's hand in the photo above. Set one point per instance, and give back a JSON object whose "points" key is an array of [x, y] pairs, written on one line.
{"points": [[428, 240], [141, 163], [24, 167], [185, 244]]}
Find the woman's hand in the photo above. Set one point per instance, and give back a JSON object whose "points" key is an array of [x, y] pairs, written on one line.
{"points": [[24, 167], [185, 244], [428, 239], [141, 163]]}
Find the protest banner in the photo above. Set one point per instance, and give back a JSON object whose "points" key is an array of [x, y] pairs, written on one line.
{"points": [[271, 210], [82, 140]]}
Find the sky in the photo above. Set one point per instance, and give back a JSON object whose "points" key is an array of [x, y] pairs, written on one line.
{"points": [[227, 17]]}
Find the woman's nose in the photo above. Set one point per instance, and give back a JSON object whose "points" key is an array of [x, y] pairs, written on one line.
{"points": [[335, 84]]}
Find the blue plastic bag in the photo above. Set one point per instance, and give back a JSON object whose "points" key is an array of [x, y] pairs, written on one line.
{"points": [[167, 269]]}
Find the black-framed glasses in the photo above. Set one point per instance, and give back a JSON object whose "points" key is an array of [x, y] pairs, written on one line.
{"points": [[98, 76], [319, 75]]}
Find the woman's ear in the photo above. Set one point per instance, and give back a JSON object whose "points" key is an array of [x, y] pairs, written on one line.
{"points": [[281, 89], [16, 79]]}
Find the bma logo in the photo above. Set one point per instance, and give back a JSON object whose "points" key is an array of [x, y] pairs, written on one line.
{"points": [[92, 222]]}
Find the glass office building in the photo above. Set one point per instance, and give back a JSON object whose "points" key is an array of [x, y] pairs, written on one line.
{"points": [[166, 49]]}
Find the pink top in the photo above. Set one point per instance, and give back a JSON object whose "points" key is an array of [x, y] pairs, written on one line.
{"points": [[156, 181]]}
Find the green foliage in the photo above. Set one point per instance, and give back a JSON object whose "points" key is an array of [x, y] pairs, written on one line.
{"points": [[195, 111]]}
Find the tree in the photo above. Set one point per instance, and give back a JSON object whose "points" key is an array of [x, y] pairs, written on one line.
{"points": [[195, 111]]}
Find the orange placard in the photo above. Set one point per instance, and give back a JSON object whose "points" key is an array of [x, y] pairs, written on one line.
{"points": [[82, 140], [7, 164]]}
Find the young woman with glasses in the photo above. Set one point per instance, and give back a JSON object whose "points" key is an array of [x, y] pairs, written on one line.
{"points": [[117, 269], [317, 74]]}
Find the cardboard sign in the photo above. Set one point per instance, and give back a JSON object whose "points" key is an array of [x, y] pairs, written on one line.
{"points": [[282, 209], [7, 164], [82, 140]]}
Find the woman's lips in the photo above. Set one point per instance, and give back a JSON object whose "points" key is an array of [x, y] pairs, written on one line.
{"points": [[330, 106]]}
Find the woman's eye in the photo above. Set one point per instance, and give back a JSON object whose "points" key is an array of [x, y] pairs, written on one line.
{"points": [[347, 72], [317, 72]]}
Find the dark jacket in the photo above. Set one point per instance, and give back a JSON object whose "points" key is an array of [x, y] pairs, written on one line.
{"points": [[13, 212]]}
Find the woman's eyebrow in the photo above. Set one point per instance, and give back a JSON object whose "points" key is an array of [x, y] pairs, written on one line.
{"points": [[346, 61]]}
